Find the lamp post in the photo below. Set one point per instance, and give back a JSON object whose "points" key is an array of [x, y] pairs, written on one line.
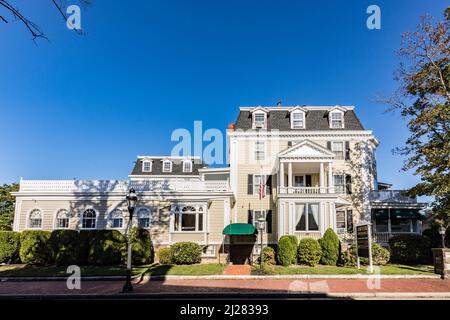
{"points": [[261, 225], [442, 230], [131, 203]]}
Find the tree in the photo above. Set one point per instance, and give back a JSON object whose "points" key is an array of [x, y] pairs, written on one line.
{"points": [[7, 203], [32, 27], [423, 99]]}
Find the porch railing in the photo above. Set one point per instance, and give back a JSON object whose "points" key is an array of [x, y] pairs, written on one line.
{"points": [[383, 237], [391, 196], [303, 190]]}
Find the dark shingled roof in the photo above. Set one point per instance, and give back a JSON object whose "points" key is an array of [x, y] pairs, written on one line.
{"points": [[315, 120], [177, 167]]}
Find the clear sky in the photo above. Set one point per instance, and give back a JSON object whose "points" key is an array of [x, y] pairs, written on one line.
{"points": [[86, 106]]}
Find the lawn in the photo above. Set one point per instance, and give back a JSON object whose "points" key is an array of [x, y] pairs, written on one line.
{"points": [[155, 269], [390, 269]]}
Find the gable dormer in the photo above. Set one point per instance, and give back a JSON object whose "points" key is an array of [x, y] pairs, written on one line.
{"points": [[259, 118], [167, 165], [298, 118], [336, 118]]}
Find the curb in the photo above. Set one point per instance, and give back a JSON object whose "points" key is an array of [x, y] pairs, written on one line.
{"points": [[226, 277]]}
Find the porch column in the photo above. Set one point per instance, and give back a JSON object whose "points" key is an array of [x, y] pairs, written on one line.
{"points": [[290, 174], [330, 179], [321, 178], [281, 172]]}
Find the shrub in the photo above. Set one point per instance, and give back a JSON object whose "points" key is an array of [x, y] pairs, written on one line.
{"points": [[65, 246], [380, 255], [34, 247], [309, 252], [287, 250], [268, 256], [105, 247], [141, 246], [165, 256], [347, 258], [9, 246], [330, 248], [266, 269], [412, 249], [186, 253]]}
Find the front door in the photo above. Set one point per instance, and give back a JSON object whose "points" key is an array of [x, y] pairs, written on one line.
{"points": [[241, 248]]}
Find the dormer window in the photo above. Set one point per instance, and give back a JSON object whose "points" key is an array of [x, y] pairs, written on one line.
{"points": [[259, 119], [336, 120], [167, 166], [187, 166], [147, 166], [297, 120]]}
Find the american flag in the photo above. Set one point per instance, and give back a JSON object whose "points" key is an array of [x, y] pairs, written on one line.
{"points": [[262, 189]]}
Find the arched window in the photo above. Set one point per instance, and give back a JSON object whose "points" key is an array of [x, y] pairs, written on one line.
{"points": [[35, 219], [146, 166], [116, 219], [89, 219], [167, 166], [188, 219], [62, 219], [143, 217]]}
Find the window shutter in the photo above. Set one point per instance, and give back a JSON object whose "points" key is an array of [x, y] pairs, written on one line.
{"points": [[250, 184], [269, 184], [269, 221], [348, 183], [347, 150], [329, 145], [308, 182], [350, 220], [250, 216]]}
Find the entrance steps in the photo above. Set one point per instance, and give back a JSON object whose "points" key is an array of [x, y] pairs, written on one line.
{"points": [[238, 270]]}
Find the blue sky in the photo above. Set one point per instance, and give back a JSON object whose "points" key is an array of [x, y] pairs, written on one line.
{"points": [[86, 106]]}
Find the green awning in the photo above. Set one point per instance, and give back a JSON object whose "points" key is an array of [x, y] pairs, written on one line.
{"points": [[239, 229], [383, 214]]}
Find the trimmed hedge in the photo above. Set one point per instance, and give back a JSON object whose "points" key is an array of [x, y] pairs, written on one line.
{"points": [[330, 248], [105, 247], [34, 247], [141, 246], [380, 255], [186, 253], [410, 249], [165, 256], [287, 250], [9, 247], [65, 246], [309, 252]]}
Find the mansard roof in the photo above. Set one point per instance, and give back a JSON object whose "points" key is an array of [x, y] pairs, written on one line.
{"points": [[278, 118], [157, 166]]}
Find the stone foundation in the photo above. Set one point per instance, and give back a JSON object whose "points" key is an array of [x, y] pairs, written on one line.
{"points": [[441, 261]]}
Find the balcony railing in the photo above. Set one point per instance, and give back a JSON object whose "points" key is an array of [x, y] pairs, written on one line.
{"points": [[391, 196], [163, 185], [304, 190], [383, 237]]}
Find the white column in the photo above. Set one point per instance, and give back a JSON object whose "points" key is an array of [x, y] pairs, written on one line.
{"points": [[321, 179], [330, 179], [290, 174], [281, 213], [281, 174]]}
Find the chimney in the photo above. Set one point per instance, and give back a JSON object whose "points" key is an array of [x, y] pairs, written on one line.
{"points": [[279, 103]]}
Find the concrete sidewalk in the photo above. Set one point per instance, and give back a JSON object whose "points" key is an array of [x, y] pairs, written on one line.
{"points": [[192, 288]]}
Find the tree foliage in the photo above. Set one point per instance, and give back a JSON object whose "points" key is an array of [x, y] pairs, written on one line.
{"points": [[423, 99], [7, 204]]}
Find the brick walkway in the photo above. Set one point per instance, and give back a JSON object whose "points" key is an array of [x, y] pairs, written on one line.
{"points": [[237, 270], [232, 286]]}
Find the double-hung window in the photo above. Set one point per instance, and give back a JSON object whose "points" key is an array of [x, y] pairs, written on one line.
{"points": [[337, 147], [167, 166], [187, 166], [344, 221], [306, 217], [258, 179], [298, 120], [337, 120], [260, 151], [259, 120], [339, 183], [147, 166]]}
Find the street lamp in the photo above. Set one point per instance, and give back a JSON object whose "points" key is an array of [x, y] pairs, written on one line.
{"points": [[442, 230], [261, 225], [131, 203]]}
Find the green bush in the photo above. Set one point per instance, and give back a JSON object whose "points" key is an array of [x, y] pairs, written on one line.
{"points": [[105, 247], [165, 256], [9, 247], [34, 247], [330, 248], [141, 246], [186, 253], [410, 249], [347, 258], [267, 269], [309, 252], [380, 255], [65, 246], [268, 256], [287, 250]]}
